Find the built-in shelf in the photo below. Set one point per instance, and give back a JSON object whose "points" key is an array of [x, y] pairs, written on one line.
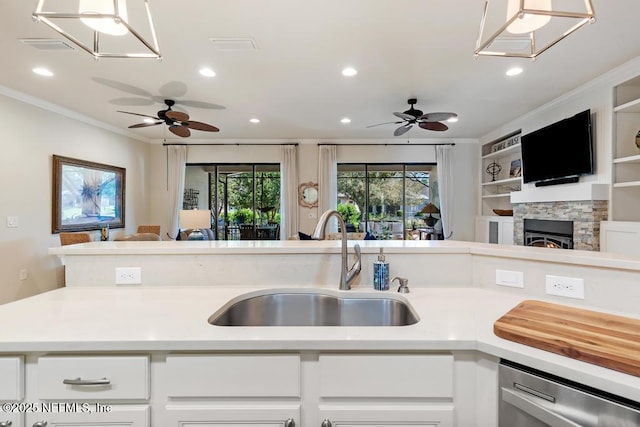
{"points": [[628, 159], [628, 107], [501, 153], [626, 184], [496, 196], [501, 181]]}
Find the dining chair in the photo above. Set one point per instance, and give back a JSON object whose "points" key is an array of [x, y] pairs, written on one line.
{"points": [[155, 229], [73, 238]]}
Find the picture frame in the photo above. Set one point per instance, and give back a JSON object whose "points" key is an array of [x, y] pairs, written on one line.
{"points": [[516, 168], [86, 195]]}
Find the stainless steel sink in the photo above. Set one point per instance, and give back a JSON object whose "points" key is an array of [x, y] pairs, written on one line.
{"points": [[293, 307]]}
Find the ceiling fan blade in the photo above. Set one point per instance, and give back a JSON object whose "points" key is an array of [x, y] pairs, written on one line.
{"points": [[130, 102], [437, 126], [404, 116], [437, 117], [386, 123], [200, 126], [122, 87], [182, 131], [402, 130], [200, 104], [177, 115], [144, 125], [138, 114]]}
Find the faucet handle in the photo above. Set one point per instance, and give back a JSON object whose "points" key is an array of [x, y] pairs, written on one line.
{"points": [[404, 284]]}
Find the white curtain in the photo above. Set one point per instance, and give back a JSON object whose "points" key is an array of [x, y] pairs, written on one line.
{"points": [[176, 165], [289, 192], [327, 182], [445, 188]]}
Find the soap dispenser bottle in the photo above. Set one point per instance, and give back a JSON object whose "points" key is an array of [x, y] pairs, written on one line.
{"points": [[381, 273]]}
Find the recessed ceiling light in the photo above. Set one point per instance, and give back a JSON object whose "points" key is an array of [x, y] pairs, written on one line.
{"points": [[41, 71], [349, 72], [452, 120], [345, 120], [254, 120], [514, 71], [207, 72]]}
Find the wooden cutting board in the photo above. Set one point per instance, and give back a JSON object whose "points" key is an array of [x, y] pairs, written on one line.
{"points": [[602, 339]]}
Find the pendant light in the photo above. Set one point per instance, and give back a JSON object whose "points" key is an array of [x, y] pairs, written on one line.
{"points": [[527, 22], [108, 25]]}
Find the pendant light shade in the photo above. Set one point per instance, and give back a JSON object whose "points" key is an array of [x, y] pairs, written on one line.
{"points": [[527, 22], [107, 25]]}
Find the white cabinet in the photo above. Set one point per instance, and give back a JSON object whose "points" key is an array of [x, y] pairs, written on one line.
{"points": [[11, 390], [386, 390], [495, 229], [620, 237], [287, 390], [92, 391], [625, 191], [501, 172]]}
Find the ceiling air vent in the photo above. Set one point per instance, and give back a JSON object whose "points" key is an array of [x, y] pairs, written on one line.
{"points": [[48, 44], [233, 44]]}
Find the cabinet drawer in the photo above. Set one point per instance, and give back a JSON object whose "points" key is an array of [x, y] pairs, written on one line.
{"points": [[386, 375], [12, 374], [118, 416], [127, 377], [233, 375]]}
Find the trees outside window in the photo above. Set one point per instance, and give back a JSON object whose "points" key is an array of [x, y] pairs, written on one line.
{"points": [[387, 197]]}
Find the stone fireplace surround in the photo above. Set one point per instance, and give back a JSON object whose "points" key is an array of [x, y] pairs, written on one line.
{"points": [[585, 214]]}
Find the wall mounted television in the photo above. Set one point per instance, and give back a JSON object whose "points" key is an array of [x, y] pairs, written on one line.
{"points": [[559, 153]]}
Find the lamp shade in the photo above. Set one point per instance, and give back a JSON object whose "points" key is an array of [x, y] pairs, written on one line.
{"points": [[195, 219], [430, 209], [528, 22], [107, 7]]}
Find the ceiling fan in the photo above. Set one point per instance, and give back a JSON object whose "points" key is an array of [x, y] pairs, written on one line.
{"points": [[428, 121], [178, 122]]}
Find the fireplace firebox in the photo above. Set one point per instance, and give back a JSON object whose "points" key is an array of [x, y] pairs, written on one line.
{"points": [[548, 233]]}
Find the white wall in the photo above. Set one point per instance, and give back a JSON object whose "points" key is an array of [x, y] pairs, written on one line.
{"points": [[465, 164], [30, 136]]}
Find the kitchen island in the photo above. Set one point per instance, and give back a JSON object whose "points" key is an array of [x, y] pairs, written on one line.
{"points": [[169, 366]]}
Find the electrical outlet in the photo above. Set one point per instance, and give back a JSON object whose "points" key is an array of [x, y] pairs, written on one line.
{"points": [[514, 279], [128, 275], [570, 287], [12, 222], [23, 274]]}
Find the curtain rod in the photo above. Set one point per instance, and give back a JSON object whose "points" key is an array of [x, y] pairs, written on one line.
{"points": [[228, 143], [386, 143]]}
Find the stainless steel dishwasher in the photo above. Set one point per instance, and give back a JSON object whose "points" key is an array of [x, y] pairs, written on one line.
{"points": [[530, 398]]}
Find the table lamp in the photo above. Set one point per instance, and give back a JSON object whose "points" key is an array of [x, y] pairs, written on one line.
{"points": [[430, 209], [195, 219]]}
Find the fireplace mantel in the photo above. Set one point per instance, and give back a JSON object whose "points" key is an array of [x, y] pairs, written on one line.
{"points": [[561, 193]]}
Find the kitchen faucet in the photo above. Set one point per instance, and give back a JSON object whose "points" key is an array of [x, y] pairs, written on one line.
{"points": [[346, 276]]}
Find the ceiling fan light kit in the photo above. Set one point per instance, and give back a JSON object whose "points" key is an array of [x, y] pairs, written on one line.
{"points": [[104, 19], [530, 28], [412, 116]]}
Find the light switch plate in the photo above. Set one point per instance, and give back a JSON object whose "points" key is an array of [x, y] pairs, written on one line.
{"points": [[12, 222], [515, 279]]}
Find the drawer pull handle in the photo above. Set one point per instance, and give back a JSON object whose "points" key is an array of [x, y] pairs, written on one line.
{"points": [[5, 423], [80, 381], [289, 423], [326, 423], [40, 424]]}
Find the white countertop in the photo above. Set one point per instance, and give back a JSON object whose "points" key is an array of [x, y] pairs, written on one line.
{"points": [[243, 247], [144, 319]]}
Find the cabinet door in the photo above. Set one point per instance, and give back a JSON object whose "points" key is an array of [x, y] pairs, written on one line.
{"points": [[237, 415], [435, 416], [506, 232], [13, 419], [120, 416]]}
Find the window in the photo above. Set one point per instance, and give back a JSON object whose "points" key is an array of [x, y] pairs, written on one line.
{"points": [[384, 199], [244, 199]]}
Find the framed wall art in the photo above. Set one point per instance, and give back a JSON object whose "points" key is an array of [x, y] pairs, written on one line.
{"points": [[86, 195]]}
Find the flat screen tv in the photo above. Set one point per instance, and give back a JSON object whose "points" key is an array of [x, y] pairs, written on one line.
{"points": [[559, 153]]}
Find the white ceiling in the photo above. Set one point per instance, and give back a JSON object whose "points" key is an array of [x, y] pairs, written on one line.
{"points": [[293, 81]]}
